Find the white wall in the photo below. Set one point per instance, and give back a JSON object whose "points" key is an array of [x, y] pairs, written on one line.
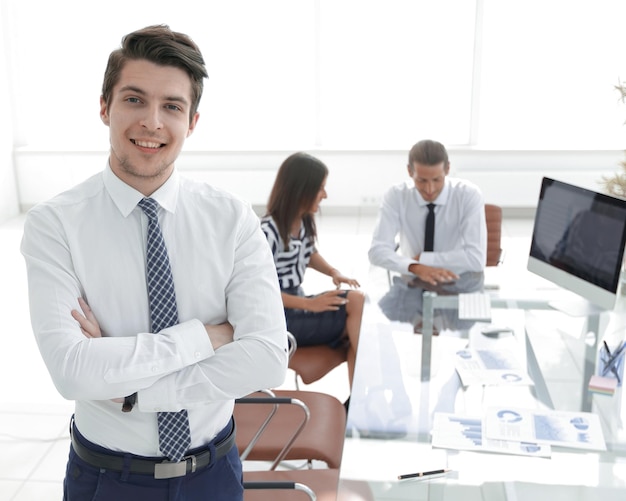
{"points": [[357, 178], [355, 82], [9, 206]]}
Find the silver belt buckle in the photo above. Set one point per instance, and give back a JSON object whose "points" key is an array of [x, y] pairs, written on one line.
{"points": [[168, 469]]}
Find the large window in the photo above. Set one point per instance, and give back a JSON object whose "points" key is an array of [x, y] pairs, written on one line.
{"points": [[394, 71], [548, 74], [338, 74]]}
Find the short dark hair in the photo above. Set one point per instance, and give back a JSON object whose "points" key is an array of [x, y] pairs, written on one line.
{"points": [[428, 152], [159, 45], [297, 184]]}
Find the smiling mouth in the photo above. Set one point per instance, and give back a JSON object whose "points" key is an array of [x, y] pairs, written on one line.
{"points": [[147, 144]]}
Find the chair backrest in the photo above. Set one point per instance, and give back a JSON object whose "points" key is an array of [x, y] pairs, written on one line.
{"points": [[493, 216], [315, 434]]}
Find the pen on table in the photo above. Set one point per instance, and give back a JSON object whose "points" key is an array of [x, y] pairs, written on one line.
{"points": [[423, 474]]}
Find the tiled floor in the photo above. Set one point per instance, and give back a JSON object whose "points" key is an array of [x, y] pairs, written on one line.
{"points": [[34, 418]]}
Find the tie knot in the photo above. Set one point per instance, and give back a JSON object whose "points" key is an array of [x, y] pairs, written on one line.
{"points": [[431, 207], [150, 207]]}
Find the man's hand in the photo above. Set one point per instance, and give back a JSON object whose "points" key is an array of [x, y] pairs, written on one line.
{"points": [[432, 275], [87, 320], [220, 334], [89, 327]]}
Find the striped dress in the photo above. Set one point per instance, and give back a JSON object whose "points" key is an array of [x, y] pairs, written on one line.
{"points": [[309, 328], [291, 263]]}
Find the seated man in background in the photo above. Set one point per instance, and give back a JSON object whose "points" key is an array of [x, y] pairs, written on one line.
{"points": [[459, 242]]}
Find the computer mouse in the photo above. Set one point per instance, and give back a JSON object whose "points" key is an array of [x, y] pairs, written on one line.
{"points": [[494, 330]]}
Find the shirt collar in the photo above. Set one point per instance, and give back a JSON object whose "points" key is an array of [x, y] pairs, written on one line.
{"points": [[126, 197]]}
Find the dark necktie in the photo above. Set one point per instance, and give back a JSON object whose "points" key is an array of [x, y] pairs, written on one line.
{"points": [[429, 235], [174, 434]]}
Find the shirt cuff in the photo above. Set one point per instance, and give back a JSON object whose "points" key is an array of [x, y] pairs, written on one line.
{"points": [[404, 264], [427, 258], [192, 341], [194, 346]]}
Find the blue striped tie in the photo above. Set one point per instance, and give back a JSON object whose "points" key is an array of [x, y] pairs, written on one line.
{"points": [[174, 434]]}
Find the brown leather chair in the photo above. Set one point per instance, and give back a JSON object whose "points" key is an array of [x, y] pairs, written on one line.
{"points": [[285, 425], [294, 485], [290, 425], [493, 216], [311, 363]]}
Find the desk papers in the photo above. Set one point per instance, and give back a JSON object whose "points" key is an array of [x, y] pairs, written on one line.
{"points": [[455, 431], [490, 368], [580, 430]]}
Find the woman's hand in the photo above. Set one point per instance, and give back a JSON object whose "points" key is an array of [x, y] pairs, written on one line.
{"points": [[339, 278], [327, 301], [87, 320]]}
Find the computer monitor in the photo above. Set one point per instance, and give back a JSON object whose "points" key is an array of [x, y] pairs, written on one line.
{"points": [[578, 242]]}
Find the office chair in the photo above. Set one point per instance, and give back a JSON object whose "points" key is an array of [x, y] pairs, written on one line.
{"points": [[283, 425], [296, 485], [311, 363], [493, 217], [273, 426], [254, 484], [291, 485]]}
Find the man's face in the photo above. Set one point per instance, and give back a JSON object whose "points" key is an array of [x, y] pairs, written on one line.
{"points": [[148, 119], [429, 179]]}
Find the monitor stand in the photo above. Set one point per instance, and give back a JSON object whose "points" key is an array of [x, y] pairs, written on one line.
{"points": [[576, 307]]}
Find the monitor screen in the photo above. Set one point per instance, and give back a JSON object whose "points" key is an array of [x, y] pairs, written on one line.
{"points": [[578, 241]]}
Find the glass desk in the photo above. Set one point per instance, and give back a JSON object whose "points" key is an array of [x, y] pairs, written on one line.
{"points": [[405, 376]]}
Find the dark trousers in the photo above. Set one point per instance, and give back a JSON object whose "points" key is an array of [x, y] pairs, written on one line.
{"points": [[219, 481]]}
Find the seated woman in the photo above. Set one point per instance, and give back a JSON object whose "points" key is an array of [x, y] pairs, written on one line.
{"points": [[332, 317]]}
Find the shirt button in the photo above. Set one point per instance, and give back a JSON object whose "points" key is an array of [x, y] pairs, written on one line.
{"points": [[155, 368], [197, 354]]}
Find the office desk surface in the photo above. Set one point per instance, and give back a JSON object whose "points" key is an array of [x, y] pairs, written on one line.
{"points": [[392, 407]]}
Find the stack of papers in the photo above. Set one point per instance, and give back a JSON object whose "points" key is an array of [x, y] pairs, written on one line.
{"points": [[454, 431], [518, 431], [490, 367], [580, 430]]}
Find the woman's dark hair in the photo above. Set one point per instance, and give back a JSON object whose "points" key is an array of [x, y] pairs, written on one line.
{"points": [[162, 46], [295, 190]]}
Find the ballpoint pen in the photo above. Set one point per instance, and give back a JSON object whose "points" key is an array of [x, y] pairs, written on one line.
{"points": [[606, 347], [423, 474]]}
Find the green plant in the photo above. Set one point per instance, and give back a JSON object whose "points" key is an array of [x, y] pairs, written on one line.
{"points": [[616, 184]]}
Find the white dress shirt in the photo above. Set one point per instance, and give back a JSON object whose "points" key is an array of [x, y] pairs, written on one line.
{"points": [[91, 242], [460, 229]]}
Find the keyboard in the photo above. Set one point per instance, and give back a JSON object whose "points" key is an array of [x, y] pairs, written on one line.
{"points": [[474, 306]]}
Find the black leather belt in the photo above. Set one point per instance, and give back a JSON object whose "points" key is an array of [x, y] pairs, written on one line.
{"points": [[156, 467]]}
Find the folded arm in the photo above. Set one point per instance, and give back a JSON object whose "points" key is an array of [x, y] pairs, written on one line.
{"points": [[129, 360]]}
